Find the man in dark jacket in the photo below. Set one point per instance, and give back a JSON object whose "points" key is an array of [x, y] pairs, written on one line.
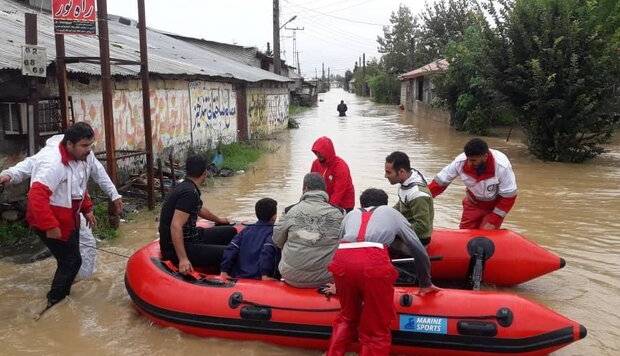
{"points": [[342, 108], [336, 173], [252, 253]]}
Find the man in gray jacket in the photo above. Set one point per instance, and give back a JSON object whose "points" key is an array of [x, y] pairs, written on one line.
{"points": [[308, 235]]}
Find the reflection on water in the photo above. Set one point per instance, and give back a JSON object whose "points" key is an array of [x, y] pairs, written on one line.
{"points": [[570, 209]]}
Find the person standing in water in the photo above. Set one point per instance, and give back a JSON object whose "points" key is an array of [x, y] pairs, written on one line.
{"points": [[342, 108]]}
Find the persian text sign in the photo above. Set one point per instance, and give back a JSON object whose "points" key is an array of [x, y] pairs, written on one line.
{"points": [[76, 17], [34, 61]]}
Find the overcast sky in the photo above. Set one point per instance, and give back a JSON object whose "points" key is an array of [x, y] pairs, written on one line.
{"points": [[336, 32]]}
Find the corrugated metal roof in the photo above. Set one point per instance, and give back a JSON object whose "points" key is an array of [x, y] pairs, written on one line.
{"points": [[243, 54], [437, 66], [167, 55]]}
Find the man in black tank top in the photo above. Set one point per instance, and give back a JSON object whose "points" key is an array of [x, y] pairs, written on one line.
{"points": [[180, 240]]}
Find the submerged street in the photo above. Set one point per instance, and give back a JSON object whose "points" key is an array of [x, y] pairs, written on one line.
{"points": [[569, 209]]}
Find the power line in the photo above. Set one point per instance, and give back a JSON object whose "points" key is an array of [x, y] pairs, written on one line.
{"points": [[334, 16]]}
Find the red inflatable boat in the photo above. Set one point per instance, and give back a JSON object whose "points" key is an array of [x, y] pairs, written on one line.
{"points": [[498, 257], [450, 322]]}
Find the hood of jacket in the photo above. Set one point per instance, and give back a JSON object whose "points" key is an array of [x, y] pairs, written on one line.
{"points": [[325, 147]]}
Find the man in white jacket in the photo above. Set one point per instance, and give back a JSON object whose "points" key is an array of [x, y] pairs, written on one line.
{"points": [[26, 168]]}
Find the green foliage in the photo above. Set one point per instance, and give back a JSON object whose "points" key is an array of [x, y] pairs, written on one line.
{"points": [[470, 97], [562, 71], [294, 110], [239, 155], [397, 43], [361, 76], [442, 22], [551, 65], [385, 88], [12, 232], [103, 230]]}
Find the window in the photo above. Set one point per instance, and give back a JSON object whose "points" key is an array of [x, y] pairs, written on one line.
{"points": [[49, 117], [13, 118]]}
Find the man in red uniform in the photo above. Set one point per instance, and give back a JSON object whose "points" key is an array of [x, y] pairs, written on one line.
{"points": [[491, 187], [336, 173], [364, 275]]}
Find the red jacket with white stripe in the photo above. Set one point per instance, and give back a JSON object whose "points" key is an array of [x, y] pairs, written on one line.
{"points": [[495, 189], [58, 188]]}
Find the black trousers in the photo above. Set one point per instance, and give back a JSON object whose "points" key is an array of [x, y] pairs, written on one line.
{"points": [[68, 260], [207, 249]]}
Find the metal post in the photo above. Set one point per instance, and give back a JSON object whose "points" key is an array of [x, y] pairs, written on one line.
{"points": [[61, 75], [31, 37], [106, 91], [106, 83], [276, 37], [160, 166], [242, 112], [146, 104]]}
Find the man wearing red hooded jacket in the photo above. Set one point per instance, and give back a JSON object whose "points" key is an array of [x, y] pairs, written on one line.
{"points": [[491, 187], [336, 173]]}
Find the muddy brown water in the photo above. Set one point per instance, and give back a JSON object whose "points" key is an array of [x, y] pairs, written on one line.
{"points": [[570, 209]]}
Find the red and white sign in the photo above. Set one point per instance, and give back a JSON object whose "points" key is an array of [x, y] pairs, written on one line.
{"points": [[75, 17]]}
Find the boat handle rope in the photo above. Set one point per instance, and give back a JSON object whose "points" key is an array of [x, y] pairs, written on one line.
{"points": [[504, 316], [236, 299]]}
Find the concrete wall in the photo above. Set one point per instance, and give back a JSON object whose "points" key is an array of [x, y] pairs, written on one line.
{"points": [[183, 113], [267, 110], [409, 92]]}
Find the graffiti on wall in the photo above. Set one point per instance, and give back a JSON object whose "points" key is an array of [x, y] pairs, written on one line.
{"points": [[169, 118], [267, 111], [213, 112]]}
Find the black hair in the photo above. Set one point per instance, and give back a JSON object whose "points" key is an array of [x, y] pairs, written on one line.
{"points": [[373, 197], [399, 160], [195, 166], [475, 147], [77, 132], [265, 209]]}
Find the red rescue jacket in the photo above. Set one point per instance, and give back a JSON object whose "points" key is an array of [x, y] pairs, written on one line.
{"points": [[336, 173]]}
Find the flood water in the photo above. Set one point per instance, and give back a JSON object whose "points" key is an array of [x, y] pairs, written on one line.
{"points": [[570, 209]]}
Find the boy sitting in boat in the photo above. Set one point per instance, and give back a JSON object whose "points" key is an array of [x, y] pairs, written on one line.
{"points": [[252, 253]]}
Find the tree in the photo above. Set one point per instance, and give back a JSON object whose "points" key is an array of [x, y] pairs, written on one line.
{"points": [[467, 87], [561, 76], [348, 75], [442, 22], [397, 44]]}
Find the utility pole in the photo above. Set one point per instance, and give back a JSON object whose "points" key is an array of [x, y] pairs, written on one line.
{"points": [[329, 76], [276, 37], [364, 62], [61, 75], [106, 83], [316, 76], [322, 70], [295, 52], [146, 104]]}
